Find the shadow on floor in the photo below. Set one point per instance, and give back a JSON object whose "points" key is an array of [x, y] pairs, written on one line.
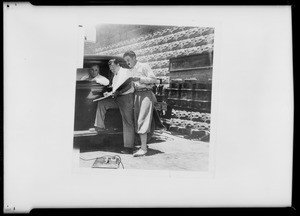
{"points": [[153, 152], [111, 143], [114, 143], [115, 149], [159, 138]]}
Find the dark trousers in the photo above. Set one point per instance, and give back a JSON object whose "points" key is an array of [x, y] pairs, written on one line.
{"points": [[125, 104]]}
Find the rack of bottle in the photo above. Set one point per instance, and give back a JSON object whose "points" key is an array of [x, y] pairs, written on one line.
{"points": [[191, 124], [190, 101], [189, 94]]}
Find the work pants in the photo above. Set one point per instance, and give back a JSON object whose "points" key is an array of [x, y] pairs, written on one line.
{"points": [[125, 104]]}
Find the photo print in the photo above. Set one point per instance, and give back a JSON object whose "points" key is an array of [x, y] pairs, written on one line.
{"points": [[143, 97]]}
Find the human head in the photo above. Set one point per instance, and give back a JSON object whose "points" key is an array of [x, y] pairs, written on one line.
{"points": [[114, 65], [94, 71], [130, 58]]}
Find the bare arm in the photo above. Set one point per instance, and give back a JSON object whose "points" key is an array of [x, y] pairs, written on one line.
{"points": [[101, 80]]}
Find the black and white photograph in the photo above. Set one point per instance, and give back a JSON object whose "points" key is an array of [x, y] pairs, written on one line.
{"points": [[147, 106], [143, 97]]}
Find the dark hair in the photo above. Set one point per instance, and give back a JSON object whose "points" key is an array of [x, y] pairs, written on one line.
{"points": [[130, 53], [95, 65], [114, 61]]}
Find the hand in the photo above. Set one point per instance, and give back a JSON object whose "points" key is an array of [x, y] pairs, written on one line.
{"points": [[115, 94], [105, 94]]}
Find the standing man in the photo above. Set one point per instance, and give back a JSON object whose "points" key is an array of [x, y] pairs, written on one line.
{"points": [[122, 98], [94, 75], [143, 79]]}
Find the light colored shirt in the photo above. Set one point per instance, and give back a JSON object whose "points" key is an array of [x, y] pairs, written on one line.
{"points": [[99, 79], [147, 77], [119, 78]]}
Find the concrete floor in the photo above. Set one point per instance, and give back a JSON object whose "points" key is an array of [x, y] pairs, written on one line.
{"points": [[165, 152]]}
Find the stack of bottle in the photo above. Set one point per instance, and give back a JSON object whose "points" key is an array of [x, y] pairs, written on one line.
{"points": [[193, 124], [174, 92], [187, 93], [202, 96], [190, 94]]}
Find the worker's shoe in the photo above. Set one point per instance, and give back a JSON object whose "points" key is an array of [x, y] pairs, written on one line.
{"points": [[140, 153], [127, 151]]}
